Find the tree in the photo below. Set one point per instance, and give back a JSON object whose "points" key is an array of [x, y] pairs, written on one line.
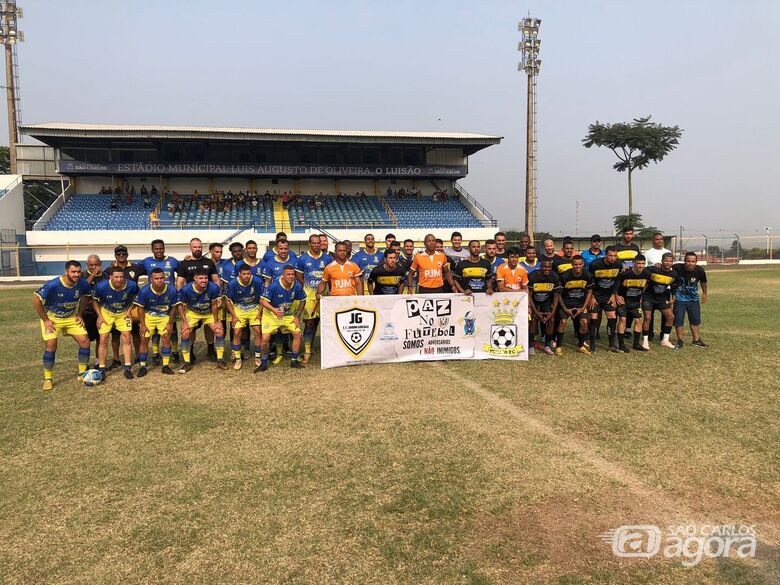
{"points": [[636, 144], [5, 160], [620, 222]]}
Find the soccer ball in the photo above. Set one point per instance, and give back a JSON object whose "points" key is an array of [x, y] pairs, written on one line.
{"points": [[503, 337], [356, 337], [92, 378]]}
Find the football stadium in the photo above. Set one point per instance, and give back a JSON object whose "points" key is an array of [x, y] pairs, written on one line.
{"points": [[278, 355]]}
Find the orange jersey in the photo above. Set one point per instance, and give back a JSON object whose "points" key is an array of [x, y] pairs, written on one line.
{"points": [[429, 268], [514, 279], [341, 278]]}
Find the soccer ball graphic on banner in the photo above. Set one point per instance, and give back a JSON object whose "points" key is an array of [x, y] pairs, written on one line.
{"points": [[92, 378], [503, 336]]}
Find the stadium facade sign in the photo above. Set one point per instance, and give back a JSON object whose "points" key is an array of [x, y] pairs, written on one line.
{"points": [[400, 328], [74, 167]]}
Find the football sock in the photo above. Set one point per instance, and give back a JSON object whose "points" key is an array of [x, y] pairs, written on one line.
{"points": [[559, 338], [665, 331], [294, 355], [166, 355], [236, 351], [257, 351], [155, 343], [48, 364], [220, 341], [142, 357], [593, 326], [83, 359], [174, 339], [308, 336], [636, 337], [264, 359], [611, 324], [185, 350]]}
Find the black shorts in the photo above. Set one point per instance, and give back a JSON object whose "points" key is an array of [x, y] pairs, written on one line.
{"points": [[543, 308], [626, 311], [562, 315], [431, 291], [650, 305], [90, 324], [603, 305]]}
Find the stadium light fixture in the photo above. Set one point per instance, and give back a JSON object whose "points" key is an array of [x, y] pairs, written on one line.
{"points": [[530, 63]]}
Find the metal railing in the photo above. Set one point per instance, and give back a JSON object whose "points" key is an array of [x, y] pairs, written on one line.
{"points": [[339, 225], [389, 211], [490, 221]]}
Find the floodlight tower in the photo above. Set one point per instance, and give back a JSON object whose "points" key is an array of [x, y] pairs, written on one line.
{"points": [[10, 35], [530, 63]]}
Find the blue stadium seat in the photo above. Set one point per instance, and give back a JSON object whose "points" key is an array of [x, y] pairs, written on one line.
{"points": [[424, 212], [93, 212]]}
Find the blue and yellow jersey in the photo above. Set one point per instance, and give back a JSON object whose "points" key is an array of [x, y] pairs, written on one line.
{"points": [[367, 261], [154, 303], [273, 268], [284, 298], [245, 296], [168, 265], [495, 262], [225, 269], [273, 252], [312, 268], [257, 267], [199, 301], [529, 268], [60, 299], [115, 300]]}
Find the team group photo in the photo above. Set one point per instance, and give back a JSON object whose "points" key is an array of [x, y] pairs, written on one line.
{"points": [[431, 293]]}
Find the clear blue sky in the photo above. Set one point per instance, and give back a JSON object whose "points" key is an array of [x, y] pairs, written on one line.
{"points": [[708, 66]]}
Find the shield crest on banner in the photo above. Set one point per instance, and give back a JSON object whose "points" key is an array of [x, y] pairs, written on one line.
{"points": [[356, 328]]}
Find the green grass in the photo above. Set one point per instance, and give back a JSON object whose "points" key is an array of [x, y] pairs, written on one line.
{"points": [[458, 472]]}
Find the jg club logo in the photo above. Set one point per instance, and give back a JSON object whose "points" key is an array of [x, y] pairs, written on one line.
{"points": [[356, 328], [689, 543]]}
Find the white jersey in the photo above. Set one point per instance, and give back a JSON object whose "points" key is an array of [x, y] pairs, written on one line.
{"points": [[654, 256]]}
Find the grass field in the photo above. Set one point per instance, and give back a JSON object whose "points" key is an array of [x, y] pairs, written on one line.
{"points": [[447, 473]]}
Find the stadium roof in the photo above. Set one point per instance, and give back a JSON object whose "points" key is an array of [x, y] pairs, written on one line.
{"points": [[54, 130]]}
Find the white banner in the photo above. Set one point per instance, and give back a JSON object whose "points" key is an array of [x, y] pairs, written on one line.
{"points": [[401, 328]]}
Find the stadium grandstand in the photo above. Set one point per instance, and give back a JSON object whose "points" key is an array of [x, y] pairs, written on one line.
{"points": [[119, 183]]}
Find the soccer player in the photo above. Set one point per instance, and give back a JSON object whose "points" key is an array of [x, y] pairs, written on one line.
{"points": [[156, 304], [342, 276], [274, 250], [60, 305], [605, 272], [368, 257], [510, 276], [236, 250], [500, 239], [324, 243], [168, 265], [631, 286], [575, 296], [93, 275], [272, 270], [243, 303], [308, 270], [594, 252], [198, 304], [283, 309], [563, 262], [250, 259], [112, 301], [659, 295], [431, 269], [186, 273], [348, 244], [626, 248], [530, 262], [690, 275], [132, 273], [491, 254], [544, 287], [389, 239], [474, 274], [525, 241], [387, 278], [456, 252]]}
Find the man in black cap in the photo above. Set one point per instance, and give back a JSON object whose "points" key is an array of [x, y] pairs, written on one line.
{"points": [[593, 252]]}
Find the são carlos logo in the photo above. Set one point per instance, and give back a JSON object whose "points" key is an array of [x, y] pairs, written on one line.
{"points": [[356, 328], [503, 331]]}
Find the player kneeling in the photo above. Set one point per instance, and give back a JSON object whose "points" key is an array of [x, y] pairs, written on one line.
{"points": [[156, 304], [198, 303], [282, 311], [243, 303]]}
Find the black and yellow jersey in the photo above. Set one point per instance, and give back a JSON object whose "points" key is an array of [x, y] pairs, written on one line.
{"points": [[575, 287], [384, 281], [473, 276], [661, 283], [626, 254], [605, 277], [543, 288], [631, 286], [561, 264]]}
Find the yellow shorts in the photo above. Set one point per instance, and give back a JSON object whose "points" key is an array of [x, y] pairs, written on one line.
{"points": [[193, 318], [272, 323], [247, 318], [135, 317], [156, 324], [111, 320], [312, 308], [64, 325]]}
